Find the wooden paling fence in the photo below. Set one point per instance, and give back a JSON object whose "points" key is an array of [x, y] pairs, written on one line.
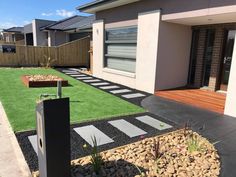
{"points": [[74, 53]]}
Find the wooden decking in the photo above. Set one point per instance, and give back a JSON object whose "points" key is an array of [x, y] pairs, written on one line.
{"points": [[209, 100]]}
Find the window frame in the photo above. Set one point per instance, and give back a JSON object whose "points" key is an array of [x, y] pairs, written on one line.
{"points": [[107, 42]]}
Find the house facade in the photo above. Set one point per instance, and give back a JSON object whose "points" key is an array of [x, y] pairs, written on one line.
{"points": [[13, 35], [154, 45]]}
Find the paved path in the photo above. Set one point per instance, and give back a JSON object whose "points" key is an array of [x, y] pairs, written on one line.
{"points": [[131, 95], [219, 129], [12, 162], [109, 133]]}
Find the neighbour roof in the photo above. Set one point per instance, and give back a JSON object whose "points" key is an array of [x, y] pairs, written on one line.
{"points": [[99, 5], [86, 23], [62, 24], [14, 30]]}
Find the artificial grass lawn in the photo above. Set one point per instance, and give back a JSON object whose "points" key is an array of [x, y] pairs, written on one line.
{"points": [[86, 102]]}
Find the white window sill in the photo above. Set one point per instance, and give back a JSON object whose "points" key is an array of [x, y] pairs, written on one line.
{"points": [[118, 72]]}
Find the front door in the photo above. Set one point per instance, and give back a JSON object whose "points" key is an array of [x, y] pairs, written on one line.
{"points": [[228, 52]]}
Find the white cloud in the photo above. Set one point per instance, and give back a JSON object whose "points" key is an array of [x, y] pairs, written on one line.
{"points": [[6, 25], [65, 13], [46, 14]]}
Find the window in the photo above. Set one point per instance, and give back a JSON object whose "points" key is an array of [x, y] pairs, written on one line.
{"points": [[193, 57], [120, 49], [210, 38]]}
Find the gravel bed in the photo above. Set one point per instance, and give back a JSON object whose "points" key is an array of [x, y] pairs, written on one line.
{"points": [[40, 77], [139, 159]]}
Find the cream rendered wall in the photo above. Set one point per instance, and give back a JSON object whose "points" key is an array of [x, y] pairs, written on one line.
{"points": [[98, 48], [230, 105], [173, 55], [147, 44]]}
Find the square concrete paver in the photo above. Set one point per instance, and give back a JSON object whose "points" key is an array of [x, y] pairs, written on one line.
{"points": [[133, 95], [100, 84], [93, 80], [120, 91], [77, 75], [127, 128], [83, 78], [90, 131], [109, 87], [159, 125], [69, 71], [73, 69], [33, 142]]}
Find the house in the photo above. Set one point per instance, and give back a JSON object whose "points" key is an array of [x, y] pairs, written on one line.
{"points": [[14, 34], [80, 29], [53, 33], [65, 30], [33, 35], [154, 45]]}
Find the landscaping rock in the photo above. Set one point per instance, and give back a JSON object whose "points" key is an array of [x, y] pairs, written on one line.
{"points": [[176, 159]]}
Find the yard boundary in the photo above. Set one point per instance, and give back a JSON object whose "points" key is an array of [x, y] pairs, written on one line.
{"points": [[75, 53]]}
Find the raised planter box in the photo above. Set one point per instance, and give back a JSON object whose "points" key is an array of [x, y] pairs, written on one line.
{"points": [[41, 83]]}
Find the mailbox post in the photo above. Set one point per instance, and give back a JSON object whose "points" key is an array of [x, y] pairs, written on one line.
{"points": [[53, 137]]}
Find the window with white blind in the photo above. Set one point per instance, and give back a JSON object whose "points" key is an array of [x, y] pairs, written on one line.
{"points": [[120, 49]]}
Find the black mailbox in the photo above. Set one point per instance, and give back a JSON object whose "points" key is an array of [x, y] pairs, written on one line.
{"points": [[8, 48], [53, 137]]}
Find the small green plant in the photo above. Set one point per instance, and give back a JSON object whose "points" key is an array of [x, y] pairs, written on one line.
{"points": [[156, 149], [96, 158], [162, 125], [193, 143], [142, 174], [47, 63]]}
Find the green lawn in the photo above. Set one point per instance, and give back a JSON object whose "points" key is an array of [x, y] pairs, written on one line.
{"points": [[86, 102]]}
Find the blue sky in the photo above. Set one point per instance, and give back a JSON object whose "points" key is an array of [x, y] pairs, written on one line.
{"points": [[21, 12]]}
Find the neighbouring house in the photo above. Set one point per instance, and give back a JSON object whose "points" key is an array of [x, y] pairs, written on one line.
{"points": [[33, 33], [14, 34], [53, 33], [81, 29], [66, 30], [154, 45]]}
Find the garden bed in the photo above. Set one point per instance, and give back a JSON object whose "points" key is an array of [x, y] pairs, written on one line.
{"points": [[181, 153], [42, 80]]}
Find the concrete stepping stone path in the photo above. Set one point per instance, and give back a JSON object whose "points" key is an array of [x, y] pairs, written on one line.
{"points": [[74, 69], [83, 78], [109, 87], [127, 128], [120, 91], [100, 84], [77, 75], [159, 125], [93, 80], [134, 95], [69, 71], [33, 142], [90, 131]]}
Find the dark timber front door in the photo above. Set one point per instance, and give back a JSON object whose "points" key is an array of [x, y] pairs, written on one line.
{"points": [[228, 52]]}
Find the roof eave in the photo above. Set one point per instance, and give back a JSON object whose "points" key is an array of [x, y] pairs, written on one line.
{"points": [[103, 5]]}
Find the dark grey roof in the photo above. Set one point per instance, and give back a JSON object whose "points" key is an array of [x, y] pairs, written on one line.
{"points": [[14, 30], [86, 23], [99, 5], [91, 4], [62, 24]]}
